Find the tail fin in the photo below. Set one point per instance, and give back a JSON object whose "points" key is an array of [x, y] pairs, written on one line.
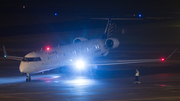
{"points": [[109, 29]]}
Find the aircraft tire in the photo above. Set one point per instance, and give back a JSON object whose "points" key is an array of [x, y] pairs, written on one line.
{"points": [[27, 80]]}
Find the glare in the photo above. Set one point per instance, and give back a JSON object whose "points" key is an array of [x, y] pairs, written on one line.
{"points": [[56, 76], [79, 81], [56, 81], [162, 85], [80, 64]]}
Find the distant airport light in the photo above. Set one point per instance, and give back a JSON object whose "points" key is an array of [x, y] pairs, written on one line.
{"points": [[55, 14], [47, 48], [5, 56], [139, 15], [24, 6], [162, 59]]}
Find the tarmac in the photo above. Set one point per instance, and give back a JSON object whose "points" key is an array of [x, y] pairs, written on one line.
{"points": [[159, 82]]}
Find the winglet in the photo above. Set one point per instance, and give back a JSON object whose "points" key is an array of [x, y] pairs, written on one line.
{"points": [[171, 54], [5, 54]]}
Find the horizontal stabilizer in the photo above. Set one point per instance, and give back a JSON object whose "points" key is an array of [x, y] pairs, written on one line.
{"points": [[171, 54], [117, 18]]}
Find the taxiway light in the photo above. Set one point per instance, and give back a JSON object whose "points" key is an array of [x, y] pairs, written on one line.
{"points": [[139, 15]]}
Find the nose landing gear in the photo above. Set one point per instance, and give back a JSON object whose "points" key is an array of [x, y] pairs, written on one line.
{"points": [[28, 79]]}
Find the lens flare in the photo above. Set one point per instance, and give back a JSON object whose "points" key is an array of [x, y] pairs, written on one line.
{"points": [[80, 64]]}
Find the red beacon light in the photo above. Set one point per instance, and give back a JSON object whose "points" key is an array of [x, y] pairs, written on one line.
{"points": [[47, 48], [162, 59]]}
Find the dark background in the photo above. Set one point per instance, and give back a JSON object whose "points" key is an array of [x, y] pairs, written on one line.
{"points": [[37, 26]]}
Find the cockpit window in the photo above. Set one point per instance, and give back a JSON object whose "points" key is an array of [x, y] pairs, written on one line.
{"points": [[31, 59]]}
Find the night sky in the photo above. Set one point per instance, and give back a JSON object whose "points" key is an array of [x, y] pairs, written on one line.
{"points": [[90, 6], [13, 16]]}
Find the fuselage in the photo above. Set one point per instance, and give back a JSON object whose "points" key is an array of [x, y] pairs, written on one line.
{"points": [[66, 55]]}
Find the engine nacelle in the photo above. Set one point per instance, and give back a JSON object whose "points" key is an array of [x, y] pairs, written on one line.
{"points": [[79, 39], [112, 43]]}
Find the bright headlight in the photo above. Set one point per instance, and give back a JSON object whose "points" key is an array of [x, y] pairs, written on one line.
{"points": [[80, 64]]}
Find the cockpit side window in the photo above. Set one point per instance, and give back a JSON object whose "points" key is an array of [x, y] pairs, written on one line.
{"points": [[31, 59]]}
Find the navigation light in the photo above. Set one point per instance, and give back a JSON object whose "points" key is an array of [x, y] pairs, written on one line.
{"points": [[47, 48], [162, 59]]}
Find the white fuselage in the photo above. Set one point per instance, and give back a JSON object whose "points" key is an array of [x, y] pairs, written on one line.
{"points": [[66, 55]]}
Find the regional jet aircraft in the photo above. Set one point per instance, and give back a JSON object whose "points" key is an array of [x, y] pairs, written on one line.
{"points": [[78, 54]]}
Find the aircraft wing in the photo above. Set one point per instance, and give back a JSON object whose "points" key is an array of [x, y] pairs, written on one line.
{"points": [[118, 62], [11, 57]]}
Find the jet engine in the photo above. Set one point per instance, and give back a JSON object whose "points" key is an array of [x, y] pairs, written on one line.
{"points": [[112, 43], [79, 39]]}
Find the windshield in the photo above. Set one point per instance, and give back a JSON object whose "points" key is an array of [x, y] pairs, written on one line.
{"points": [[31, 59]]}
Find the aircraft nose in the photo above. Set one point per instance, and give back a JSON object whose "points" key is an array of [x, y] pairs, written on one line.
{"points": [[22, 67], [25, 68]]}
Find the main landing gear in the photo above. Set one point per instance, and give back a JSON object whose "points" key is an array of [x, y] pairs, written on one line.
{"points": [[28, 79]]}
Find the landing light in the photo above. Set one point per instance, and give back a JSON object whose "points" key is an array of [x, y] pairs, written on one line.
{"points": [[80, 64]]}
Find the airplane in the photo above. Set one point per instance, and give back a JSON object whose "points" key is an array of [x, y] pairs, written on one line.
{"points": [[77, 54]]}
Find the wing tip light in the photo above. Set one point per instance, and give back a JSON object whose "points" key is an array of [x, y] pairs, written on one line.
{"points": [[162, 59], [5, 54]]}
